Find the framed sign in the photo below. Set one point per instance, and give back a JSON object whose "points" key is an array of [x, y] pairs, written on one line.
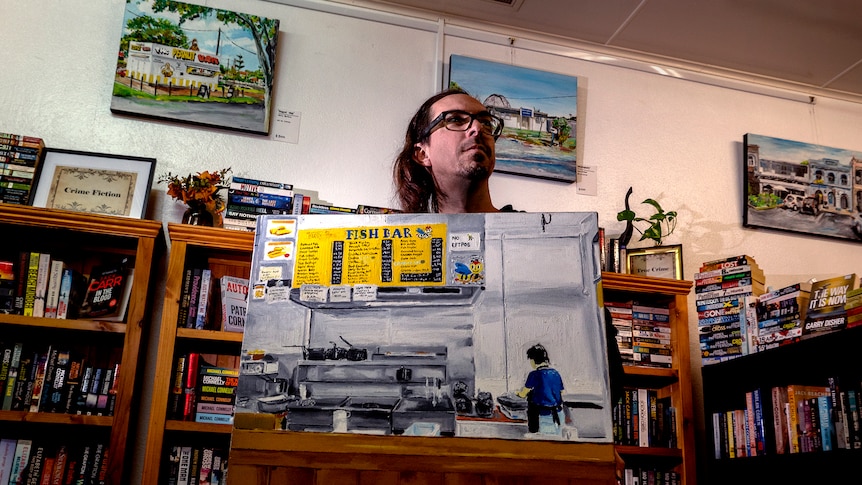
{"points": [[99, 183], [659, 261]]}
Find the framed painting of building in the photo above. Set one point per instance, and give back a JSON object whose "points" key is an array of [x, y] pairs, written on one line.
{"points": [[195, 64], [540, 113], [801, 187]]}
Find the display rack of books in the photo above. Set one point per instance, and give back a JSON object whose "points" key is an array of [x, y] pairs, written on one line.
{"points": [[198, 353], [790, 412], [653, 422], [75, 289]]}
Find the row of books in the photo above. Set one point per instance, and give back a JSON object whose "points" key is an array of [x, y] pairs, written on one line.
{"points": [[212, 303], [26, 461], [642, 418], [249, 198], [643, 332], [612, 253], [204, 388], [791, 419], [55, 379], [649, 476], [196, 465], [38, 284], [19, 159]]}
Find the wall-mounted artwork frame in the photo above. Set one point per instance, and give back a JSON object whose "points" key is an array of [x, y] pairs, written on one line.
{"points": [[97, 183], [540, 113], [196, 64], [802, 187], [656, 261]]}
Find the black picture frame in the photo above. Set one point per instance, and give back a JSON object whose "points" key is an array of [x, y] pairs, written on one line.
{"points": [[801, 188], [98, 183]]}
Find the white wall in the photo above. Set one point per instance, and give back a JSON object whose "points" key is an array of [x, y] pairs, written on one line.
{"points": [[357, 82]]}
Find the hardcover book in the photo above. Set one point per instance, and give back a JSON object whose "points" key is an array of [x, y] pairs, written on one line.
{"points": [[52, 296], [826, 311], [108, 291], [204, 294], [234, 295]]}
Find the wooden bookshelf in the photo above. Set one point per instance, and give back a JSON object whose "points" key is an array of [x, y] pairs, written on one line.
{"points": [[83, 239], [674, 381], [225, 252], [809, 362]]}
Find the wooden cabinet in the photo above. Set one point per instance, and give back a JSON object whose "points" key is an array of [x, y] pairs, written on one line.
{"points": [[809, 362], [83, 241], [674, 381], [224, 252]]}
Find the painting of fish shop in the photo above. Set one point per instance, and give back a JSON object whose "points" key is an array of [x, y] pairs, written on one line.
{"points": [[196, 64], [801, 187], [539, 110]]}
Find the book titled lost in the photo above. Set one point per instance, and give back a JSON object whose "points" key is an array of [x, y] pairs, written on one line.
{"points": [[108, 291]]}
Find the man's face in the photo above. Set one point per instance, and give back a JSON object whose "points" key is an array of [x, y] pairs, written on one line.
{"points": [[466, 154]]}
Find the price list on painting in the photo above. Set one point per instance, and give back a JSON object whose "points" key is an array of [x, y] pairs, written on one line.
{"points": [[410, 255]]}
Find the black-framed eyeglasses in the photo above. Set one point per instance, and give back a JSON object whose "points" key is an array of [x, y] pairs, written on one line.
{"points": [[458, 120]]}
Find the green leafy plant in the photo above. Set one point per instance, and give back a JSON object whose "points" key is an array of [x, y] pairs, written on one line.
{"points": [[660, 225]]}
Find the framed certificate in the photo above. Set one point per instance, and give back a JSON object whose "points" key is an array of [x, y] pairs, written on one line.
{"points": [[94, 182], [659, 261]]}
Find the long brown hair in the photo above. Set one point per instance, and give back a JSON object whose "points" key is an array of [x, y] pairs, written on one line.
{"points": [[414, 184]]}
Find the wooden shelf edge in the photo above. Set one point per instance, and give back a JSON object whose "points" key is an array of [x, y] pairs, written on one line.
{"points": [[191, 333], [214, 237], [649, 451], [84, 325], [79, 221], [438, 454], [191, 426], [56, 418]]}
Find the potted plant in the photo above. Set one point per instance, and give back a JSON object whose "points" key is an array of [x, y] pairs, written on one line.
{"points": [[199, 192], [660, 224]]}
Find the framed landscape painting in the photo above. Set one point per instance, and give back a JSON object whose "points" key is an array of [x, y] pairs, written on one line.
{"points": [[196, 64], [539, 110], [801, 187]]}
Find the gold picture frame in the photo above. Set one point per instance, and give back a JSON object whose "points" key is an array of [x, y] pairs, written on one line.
{"points": [[658, 262]]}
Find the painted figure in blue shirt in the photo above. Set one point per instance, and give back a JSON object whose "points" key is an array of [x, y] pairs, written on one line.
{"points": [[543, 391]]}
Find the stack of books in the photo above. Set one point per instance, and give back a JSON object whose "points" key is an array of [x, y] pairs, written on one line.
{"points": [[778, 317], [19, 158], [723, 288], [651, 335], [621, 319], [249, 198]]}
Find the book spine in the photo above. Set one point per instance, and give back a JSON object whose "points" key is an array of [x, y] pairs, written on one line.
{"points": [[35, 401], [194, 293], [63, 294], [257, 199], [261, 189], [7, 456], [22, 269], [30, 291], [185, 298], [184, 467], [203, 299], [42, 275], [52, 296]]}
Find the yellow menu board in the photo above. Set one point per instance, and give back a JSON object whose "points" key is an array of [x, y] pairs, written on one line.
{"points": [[407, 255]]}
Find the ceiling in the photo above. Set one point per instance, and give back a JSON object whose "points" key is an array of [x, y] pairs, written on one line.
{"points": [[813, 47]]}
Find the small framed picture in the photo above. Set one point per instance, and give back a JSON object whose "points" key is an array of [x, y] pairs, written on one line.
{"points": [[659, 262], [99, 183]]}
